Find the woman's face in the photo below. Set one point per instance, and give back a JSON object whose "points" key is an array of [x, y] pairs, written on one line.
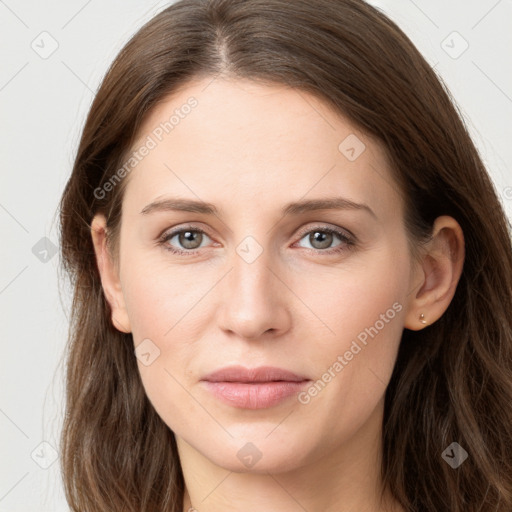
{"points": [[262, 281]]}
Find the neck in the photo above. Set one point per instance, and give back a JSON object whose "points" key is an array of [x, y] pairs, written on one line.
{"points": [[344, 478]]}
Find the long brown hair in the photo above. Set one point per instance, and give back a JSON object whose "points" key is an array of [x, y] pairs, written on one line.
{"points": [[452, 381]]}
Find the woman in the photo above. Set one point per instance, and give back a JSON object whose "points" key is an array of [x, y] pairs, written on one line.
{"points": [[215, 361]]}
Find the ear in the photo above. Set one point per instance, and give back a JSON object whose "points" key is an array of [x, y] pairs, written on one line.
{"points": [[438, 274], [109, 275]]}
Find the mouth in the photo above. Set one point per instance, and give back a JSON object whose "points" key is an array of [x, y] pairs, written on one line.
{"points": [[257, 388]]}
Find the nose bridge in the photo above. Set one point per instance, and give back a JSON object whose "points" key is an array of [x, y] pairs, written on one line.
{"points": [[251, 277], [251, 267], [252, 256]]}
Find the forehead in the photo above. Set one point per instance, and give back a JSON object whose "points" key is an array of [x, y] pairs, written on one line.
{"points": [[237, 142]]}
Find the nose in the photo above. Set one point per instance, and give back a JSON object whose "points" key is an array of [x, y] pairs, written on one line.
{"points": [[254, 299]]}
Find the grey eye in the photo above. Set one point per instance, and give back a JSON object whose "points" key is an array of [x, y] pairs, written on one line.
{"points": [[323, 238], [188, 239]]}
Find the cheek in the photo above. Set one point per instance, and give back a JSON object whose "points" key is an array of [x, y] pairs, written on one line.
{"points": [[157, 296], [157, 305], [166, 305], [347, 302], [354, 363]]}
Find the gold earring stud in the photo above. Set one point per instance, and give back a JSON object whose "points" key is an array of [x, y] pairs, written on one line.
{"points": [[422, 319]]}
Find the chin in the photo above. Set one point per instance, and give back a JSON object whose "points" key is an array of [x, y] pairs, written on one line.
{"points": [[257, 454]]}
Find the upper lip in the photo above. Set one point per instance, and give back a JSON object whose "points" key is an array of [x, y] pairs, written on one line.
{"points": [[260, 374]]}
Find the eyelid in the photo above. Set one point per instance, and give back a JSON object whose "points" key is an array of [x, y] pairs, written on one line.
{"points": [[324, 226]]}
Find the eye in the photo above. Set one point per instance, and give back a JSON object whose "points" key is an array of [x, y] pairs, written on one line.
{"points": [[321, 238], [189, 238]]}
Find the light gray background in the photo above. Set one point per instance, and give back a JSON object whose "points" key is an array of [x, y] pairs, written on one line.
{"points": [[44, 99]]}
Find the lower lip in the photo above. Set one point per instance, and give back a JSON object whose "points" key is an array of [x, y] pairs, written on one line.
{"points": [[254, 396]]}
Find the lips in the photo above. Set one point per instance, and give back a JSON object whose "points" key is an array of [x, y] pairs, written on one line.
{"points": [[257, 388], [254, 375]]}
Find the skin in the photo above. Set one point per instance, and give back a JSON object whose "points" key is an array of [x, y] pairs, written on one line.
{"points": [[250, 149]]}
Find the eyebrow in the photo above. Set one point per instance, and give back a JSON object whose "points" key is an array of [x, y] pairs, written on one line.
{"points": [[295, 208]]}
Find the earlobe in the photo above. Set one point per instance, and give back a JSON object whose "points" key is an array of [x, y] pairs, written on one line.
{"points": [[442, 268], [109, 275]]}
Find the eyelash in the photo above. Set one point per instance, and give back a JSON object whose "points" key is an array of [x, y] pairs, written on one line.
{"points": [[346, 245]]}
